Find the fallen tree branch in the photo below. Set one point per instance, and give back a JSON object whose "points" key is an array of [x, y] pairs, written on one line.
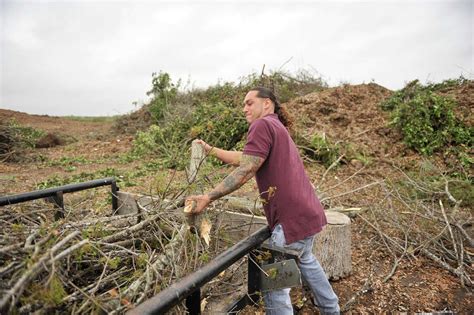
{"points": [[11, 295], [457, 272]]}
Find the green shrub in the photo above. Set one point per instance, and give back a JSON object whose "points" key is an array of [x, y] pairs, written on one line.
{"points": [[447, 84], [427, 120], [318, 148], [402, 96], [15, 139], [213, 114], [169, 143], [414, 87], [163, 93], [221, 125], [20, 136]]}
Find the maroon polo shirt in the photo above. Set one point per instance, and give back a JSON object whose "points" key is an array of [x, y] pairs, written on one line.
{"points": [[287, 193]]}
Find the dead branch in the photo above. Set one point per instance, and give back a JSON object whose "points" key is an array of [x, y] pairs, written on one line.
{"points": [[352, 191], [457, 272], [12, 294]]}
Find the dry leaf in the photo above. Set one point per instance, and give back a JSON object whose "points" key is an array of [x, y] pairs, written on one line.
{"points": [[126, 303], [203, 304], [113, 292], [189, 206], [206, 230]]}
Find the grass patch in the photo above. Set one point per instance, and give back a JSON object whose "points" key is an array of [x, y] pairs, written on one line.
{"points": [[125, 178], [92, 118]]}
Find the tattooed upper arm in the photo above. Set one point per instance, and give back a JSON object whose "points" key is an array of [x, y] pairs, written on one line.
{"points": [[249, 165], [252, 162]]}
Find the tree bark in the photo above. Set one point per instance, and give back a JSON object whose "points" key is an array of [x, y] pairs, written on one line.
{"points": [[332, 246]]}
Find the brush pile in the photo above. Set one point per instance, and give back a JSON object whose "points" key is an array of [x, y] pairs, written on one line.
{"points": [[15, 140], [107, 264], [9, 143]]}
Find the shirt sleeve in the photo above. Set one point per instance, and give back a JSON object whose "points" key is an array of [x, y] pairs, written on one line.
{"points": [[259, 139]]}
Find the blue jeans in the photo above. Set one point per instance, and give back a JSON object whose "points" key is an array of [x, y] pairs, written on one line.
{"points": [[278, 302]]}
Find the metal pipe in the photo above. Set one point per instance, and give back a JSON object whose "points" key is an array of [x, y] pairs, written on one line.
{"points": [[114, 191], [193, 303], [37, 194], [172, 295]]}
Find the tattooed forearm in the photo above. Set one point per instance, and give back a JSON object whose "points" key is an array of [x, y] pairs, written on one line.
{"points": [[249, 165]]}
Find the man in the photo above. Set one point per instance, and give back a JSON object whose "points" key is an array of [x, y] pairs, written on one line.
{"points": [[292, 209]]}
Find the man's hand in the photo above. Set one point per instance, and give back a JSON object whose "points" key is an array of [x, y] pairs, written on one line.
{"points": [[201, 203], [206, 146]]}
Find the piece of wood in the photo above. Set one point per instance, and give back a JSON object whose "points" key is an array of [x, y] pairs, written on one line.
{"points": [[197, 157], [332, 246], [196, 222], [237, 225], [127, 202], [246, 205]]}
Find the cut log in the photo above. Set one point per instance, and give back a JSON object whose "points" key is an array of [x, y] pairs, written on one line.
{"points": [[127, 202], [197, 157], [243, 204], [332, 246], [197, 222], [238, 225]]}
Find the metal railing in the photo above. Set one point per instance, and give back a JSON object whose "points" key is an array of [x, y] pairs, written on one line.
{"points": [[57, 194], [189, 287]]}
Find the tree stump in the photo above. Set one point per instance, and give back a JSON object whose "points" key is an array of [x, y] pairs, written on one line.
{"points": [[332, 246]]}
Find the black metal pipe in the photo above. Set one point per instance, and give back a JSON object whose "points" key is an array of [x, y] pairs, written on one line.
{"points": [[37, 194], [172, 295], [59, 205], [193, 303], [114, 191]]}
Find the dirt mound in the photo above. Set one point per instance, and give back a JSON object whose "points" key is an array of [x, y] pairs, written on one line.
{"points": [[49, 140], [350, 113], [133, 122], [464, 96]]}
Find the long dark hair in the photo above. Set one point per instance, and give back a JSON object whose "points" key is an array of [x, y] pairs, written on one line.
{"points": [[283, 115]]}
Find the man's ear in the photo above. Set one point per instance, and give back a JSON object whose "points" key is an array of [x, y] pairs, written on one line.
{"points": [[267, 103]]}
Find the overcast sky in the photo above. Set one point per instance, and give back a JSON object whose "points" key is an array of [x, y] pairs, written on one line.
{"points": [[97, 57]]}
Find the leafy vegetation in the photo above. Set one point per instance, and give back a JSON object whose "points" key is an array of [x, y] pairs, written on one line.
{"points": [[15, 138], [428, 123], [92, 118], [427, 120], [163, 94], [213, 114], [319, 148], [25, 136], [125, 178]]}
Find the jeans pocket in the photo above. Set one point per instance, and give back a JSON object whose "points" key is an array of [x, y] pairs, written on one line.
{"points": [[278, 237], [298, 246]]}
